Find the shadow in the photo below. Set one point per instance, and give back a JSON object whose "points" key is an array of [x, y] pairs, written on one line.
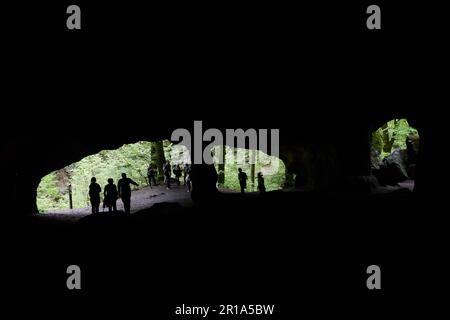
{"points": [[279, 245]]}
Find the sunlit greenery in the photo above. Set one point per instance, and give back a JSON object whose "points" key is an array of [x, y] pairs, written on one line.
{"points": [[272, 168], [133, 159], [391, 136]]}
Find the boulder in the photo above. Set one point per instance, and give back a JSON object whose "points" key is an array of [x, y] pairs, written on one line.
{"points": [[374, 159], [361, 184], [393, 168]]}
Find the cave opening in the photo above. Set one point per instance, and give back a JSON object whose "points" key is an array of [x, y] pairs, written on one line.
{"points": [[253, 163], [394, 153], [66, 190]]}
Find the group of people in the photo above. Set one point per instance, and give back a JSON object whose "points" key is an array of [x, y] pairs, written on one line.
{"points": [[242, 177], [167, 172], [111, 193]]}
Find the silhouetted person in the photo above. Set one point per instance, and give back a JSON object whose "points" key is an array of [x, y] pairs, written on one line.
{"points": [[261, 186], [242, 176], [151, 176], [167, 170], [110, 195], [125, 191], [94, 195], [186, 168], [187, 177], [177, 172]]}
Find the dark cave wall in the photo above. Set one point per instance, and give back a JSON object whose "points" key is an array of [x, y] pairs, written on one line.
{"points": [[321, 155], [29, 159], [323, 163]]}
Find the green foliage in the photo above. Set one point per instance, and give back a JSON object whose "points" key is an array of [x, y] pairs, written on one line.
{"points": [[133, 159], [49, 194], [391, 136], [272, 168]]}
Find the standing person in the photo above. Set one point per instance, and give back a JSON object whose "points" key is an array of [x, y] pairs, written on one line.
{"points": [[125, 191], [94, 195], [110, 195], [151, 176], [167, 169], [261, 186], [177, 172], [187, 177], [242, 176], [185, 168]]}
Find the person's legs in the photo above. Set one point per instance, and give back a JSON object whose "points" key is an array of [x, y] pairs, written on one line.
{"points": [[94, 206], [126, 203], [114, 206]]}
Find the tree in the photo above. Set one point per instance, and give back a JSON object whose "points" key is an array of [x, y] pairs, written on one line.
{"points": [[221, 166], [158, 158], [389, 133], [252, 168]]}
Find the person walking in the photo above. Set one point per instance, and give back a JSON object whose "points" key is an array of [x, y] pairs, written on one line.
{"points": [[151, 176], [125, 191], [94, 195], [167, 169], [242, 176], [110, 194]]}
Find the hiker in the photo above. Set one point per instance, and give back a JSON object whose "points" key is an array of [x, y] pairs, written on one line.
{"points": [[187, 176], [125, 191], [186, 168], [110, 195], [151, 176], [261, 186], [242, 176], [167, 170], [94, 195], [177, 172]]}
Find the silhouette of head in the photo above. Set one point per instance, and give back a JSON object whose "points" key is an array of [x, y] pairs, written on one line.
{"points": [[240, 170], [124, 175], [260, 174], [110, 181], [93, 179]]}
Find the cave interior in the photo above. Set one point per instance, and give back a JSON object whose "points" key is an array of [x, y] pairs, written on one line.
{"points": [[337, 216]]}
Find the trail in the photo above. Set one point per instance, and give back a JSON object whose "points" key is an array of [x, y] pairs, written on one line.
{"points": [[140, 199]]}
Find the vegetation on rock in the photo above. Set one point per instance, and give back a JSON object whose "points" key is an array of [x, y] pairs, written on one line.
{"points": [[391, 136]]}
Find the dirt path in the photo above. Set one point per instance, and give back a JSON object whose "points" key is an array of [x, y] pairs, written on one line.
{"points": [[140, 199]]}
